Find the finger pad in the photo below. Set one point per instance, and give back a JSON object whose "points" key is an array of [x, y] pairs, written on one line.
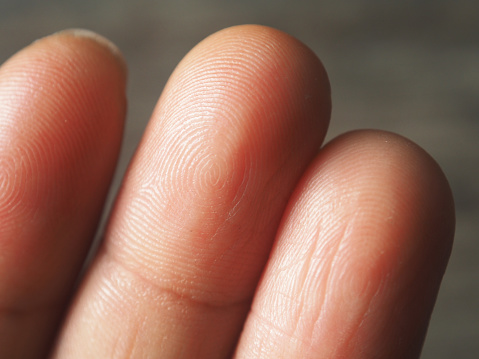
{"points": [[361, 252], [61, 110], [244, 105]]}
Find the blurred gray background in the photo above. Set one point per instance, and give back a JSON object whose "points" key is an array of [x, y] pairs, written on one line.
{"points": [[411, 67]]}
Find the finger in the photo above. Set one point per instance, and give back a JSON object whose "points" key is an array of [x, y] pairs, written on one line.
{"points": [[61, 113], [237, 124], [359, 257]]}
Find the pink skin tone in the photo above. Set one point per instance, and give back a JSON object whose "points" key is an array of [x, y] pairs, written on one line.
{"points": [[232, 236]]}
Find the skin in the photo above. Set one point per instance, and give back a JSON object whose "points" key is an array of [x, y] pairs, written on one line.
{"points": [[232, 236]]}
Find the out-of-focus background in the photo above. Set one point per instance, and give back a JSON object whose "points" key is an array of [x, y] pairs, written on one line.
{"points": [[406, 66]]}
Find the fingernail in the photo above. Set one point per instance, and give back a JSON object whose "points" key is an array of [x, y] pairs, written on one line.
{"points": [[101, 40]]}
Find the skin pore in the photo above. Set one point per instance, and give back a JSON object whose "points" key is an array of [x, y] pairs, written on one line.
{"points": [[231, 236]]}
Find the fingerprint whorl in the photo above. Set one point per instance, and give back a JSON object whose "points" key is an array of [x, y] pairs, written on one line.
{"points": [[17, 180], [199, 164]]}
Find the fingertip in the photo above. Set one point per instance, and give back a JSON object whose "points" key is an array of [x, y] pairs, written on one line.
{"points": [[247, 104], [101, 41], [265, 64], [399, 183], [85, 37], [412, 176], [299, 57], [399, 211], [62, 108], [362, 250]]}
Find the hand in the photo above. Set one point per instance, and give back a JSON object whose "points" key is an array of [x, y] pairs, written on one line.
{"points": [[231, 235]]}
